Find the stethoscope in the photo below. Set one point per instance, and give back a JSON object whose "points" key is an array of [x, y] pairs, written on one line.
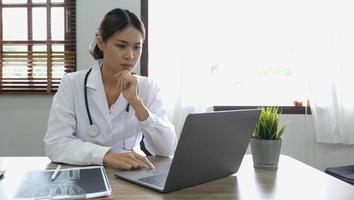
{"points": [[93, 130]]}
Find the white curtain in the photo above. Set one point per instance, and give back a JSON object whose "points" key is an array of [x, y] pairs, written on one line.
{"points": [[255, 52], [332, 106], [331, 86], [174, 61]]}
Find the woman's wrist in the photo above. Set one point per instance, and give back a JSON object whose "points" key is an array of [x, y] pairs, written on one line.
{"points": [[136, 101], [106, 158], [140, 109]]}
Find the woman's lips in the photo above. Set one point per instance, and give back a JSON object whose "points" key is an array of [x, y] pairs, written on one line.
{"points": [[127, 66]]}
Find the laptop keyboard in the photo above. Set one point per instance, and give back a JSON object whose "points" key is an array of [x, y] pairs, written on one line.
{"points": [[158, 180]]}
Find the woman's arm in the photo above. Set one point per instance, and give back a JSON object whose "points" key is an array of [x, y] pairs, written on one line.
{"points": [[159, 133], [61, 142]]}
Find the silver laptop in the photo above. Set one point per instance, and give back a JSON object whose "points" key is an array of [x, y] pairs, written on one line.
{"points": [[211, 146]]}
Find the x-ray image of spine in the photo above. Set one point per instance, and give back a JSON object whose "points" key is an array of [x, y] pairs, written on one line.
{"points": [[64, 184]]}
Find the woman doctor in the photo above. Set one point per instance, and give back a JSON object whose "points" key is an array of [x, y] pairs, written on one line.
{"points": [[99, 116]]}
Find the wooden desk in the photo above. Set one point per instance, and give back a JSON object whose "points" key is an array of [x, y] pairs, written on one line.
{"points": [[292, 180]]}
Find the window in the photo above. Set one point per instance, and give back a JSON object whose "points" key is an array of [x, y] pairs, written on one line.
{"points": [[245, 53], [38, 44]]}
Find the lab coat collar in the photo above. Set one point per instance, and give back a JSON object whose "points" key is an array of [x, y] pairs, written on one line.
{"points": [[120, 106], [94, 80]]}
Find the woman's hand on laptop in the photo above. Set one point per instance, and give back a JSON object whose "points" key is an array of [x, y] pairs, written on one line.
{"points": [[127, 160]]}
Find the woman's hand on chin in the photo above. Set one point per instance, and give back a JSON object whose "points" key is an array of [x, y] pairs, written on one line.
{"points": [[127, 83]]}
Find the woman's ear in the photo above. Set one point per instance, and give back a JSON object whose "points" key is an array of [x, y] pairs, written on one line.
{"points": [[99, 42]]}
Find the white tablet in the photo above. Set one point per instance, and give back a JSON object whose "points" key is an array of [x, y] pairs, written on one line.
{"points": [[70, 183]]}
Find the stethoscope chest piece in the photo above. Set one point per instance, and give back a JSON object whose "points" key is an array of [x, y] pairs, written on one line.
{"points": [[93, 130]]}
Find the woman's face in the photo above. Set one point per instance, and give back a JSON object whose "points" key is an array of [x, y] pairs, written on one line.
{"points": [[122, 50]]}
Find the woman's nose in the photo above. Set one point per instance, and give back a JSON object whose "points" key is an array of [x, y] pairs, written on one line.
{"points": [[129, 54]]}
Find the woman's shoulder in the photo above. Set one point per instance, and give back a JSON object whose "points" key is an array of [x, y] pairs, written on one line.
{"points": [[75, 76], [80, 74], [73, 80]]}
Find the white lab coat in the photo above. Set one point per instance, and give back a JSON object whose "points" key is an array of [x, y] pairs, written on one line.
{"points": [[67, 139]]}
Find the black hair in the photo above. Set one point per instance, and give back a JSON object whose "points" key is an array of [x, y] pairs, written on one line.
{"points": [[114, 21]]}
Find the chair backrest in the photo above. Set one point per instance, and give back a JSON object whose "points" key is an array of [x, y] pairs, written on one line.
{"points": [[344, 173]]}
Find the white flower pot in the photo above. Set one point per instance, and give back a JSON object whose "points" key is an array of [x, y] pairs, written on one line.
{"points": [[265, 153]]}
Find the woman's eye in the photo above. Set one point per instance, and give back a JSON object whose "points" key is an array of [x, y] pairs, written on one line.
{"points": [[137, 47], [122, 46]]}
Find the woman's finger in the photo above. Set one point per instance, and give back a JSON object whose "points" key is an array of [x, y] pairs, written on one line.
{"points": [[120, 81], [144, 160], [117, 162], [132, 163], [124, 84]]}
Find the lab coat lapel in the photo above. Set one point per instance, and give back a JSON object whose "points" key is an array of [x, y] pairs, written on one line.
{"points": [[120, 106], [98, 96]]}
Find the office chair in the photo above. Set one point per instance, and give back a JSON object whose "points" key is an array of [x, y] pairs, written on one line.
{"points": [[344, 173]]}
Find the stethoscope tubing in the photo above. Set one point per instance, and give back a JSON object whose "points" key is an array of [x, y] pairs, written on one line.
{"points": [[93, 129], [85, 93]]}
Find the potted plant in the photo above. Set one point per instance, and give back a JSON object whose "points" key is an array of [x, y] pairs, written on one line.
{"points": [[266, 139]]}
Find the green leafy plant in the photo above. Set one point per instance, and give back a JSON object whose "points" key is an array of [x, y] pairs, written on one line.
{"points": [[267, 126]]}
